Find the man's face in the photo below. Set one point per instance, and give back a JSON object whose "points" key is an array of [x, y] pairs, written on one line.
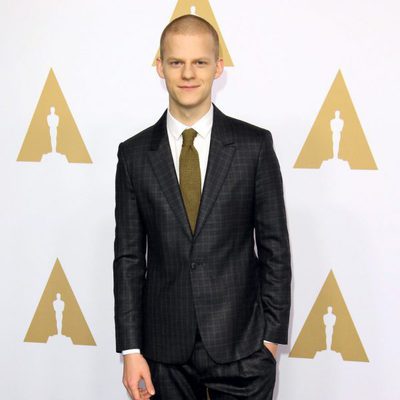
{"points": [[189, 68]]}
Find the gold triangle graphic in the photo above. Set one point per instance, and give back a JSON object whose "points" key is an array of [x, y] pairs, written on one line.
{"points": [[58, 317], [313, 338], [352, 145], [53, 128], [203, 9]]}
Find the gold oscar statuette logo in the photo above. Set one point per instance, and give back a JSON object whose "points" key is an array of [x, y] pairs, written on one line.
{"points": [[329, 332], [58, 319], [203, 9], [336, 139], [53, 133]]}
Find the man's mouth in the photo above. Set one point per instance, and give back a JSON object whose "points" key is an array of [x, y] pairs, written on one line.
{"points": [[188, 87]]}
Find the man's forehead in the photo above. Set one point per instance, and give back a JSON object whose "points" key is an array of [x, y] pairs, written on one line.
{"points": [[177, 37]]}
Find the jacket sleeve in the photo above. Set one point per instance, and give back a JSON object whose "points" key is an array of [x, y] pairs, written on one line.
{"points": [[272, 244], [129, 264]]}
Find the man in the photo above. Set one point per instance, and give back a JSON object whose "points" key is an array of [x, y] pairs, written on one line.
{"points": [[203, 311]]}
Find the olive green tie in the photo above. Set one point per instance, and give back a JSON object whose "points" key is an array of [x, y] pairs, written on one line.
{"points": [[189, 176]]}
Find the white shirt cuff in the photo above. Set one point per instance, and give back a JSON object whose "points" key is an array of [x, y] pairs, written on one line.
{"points": [[267, 341], [130, 351]]}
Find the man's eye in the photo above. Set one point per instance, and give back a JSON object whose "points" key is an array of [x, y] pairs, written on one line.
{"points": [[201, 62], [175, 63]]}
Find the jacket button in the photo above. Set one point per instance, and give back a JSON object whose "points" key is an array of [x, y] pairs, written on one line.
{"points": [[193, 265]]}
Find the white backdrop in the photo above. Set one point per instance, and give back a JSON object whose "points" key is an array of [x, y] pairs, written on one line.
{"points": [[286, 56]]}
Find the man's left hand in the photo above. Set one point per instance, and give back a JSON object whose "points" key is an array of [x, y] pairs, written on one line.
{"points": [[272, 347]]}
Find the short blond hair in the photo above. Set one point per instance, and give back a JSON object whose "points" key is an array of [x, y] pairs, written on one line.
{"points": [[187, 25]]}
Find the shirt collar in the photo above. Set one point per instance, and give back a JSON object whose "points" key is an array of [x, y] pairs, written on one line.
{"points": [[202, 126]]}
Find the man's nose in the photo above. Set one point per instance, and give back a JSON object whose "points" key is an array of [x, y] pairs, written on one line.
{"points": [[188, 71]]}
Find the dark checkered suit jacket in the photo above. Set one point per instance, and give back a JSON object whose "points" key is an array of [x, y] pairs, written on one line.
{"points": [[212, 279]]}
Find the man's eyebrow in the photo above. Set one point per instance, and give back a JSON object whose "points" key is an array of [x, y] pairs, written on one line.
{"points": [[196, 59]]}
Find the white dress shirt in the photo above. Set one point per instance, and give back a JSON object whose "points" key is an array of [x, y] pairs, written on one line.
{"points": [[201, 143]]}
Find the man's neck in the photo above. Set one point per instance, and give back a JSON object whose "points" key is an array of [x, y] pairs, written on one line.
{"points": [[189, 116]]}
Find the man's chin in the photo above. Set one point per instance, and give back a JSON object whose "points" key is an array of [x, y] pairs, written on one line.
{"points": [[190, 103]]}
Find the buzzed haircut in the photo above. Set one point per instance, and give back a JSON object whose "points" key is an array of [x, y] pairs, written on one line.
{"points": [[187, 25]]}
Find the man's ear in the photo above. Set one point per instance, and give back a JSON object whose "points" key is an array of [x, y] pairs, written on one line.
{"points": [[159, 66], [220, 68]]}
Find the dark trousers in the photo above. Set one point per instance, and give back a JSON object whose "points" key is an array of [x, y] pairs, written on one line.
{"points": [[252, 377]]}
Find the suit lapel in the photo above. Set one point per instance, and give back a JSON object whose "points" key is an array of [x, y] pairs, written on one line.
{"points": [[222, 149], [161, 160], [220, 156]]}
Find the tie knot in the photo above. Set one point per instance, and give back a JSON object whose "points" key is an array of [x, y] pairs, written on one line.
{"points": [[188, 136]]}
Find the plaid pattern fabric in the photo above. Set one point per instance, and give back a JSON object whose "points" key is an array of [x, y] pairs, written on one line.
{"points": [[201, 378], [168, 281]]}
